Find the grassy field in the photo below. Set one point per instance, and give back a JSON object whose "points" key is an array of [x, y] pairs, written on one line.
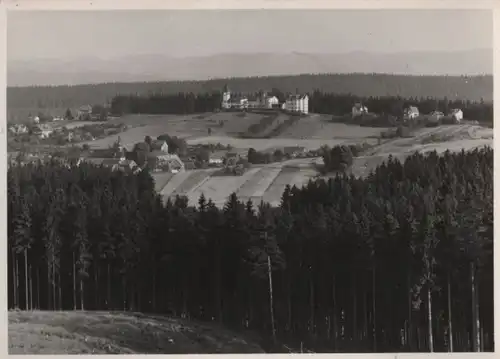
{"points": [[267, 182], [78, 332]]}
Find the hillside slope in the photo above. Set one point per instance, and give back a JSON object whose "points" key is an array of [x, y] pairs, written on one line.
{"points": [[78, 332]]}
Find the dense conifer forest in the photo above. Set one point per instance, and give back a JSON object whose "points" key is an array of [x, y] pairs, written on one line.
{"points": [[474, 88], [399, 261]]}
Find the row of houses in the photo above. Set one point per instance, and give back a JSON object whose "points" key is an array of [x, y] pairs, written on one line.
{"points": [[294, 103], [412, 112]]}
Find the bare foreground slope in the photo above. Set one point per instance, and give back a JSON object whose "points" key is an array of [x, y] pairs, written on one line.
{"points": [[78, 332]]}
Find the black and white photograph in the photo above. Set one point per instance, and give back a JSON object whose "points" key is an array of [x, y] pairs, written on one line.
{"points": [[268, 180]]}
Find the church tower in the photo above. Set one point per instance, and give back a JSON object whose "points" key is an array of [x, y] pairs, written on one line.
{"points": [[226, 96]]}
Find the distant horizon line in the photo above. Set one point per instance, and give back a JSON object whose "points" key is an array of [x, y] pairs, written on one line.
{"points": [[291, 52], [252, 77]]}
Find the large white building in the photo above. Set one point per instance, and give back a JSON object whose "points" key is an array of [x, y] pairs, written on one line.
{"points": [[242, 102], [297, 103]]}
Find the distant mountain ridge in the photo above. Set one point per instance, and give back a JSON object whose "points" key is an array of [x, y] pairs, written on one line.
{"points": [[141, 68]]}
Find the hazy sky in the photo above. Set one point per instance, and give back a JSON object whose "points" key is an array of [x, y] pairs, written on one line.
{"points": [[63, 34]]}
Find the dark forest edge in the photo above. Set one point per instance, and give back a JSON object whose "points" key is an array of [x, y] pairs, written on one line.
{"points": [[474, 88], [398, 261]]}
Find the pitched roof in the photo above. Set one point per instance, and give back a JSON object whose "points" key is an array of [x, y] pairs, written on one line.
{"points": [[296, 97], [158, 143]]}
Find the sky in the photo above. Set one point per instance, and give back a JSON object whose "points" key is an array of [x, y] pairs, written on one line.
{"points": [[177, 33]]}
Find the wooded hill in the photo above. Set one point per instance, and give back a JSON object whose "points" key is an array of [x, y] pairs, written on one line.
{"points": [[399, 261], [365, 85]]}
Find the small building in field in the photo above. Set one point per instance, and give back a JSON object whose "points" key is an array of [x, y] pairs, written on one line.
{"points": [[411, 112], [358, 109], [294, 151], [457, 115], [84, 113]]}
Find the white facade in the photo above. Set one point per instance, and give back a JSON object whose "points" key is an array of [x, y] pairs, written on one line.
{"points": [[271, 101], [411, 112], [297, 103], [457, 114], [358, 110]]}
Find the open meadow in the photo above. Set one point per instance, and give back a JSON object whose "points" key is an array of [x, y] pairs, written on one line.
{"points": [[267, 182], [80, 332]]}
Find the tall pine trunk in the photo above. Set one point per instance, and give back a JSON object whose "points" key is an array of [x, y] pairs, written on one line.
{"points": [[450, 327], [374, 305], [476, 339], [269, 271], [14, 279], [108, 287], [31, 286], [154, 290], [409, 329], [354, 311], [54, 297], [82, 301], [60, 291], [74, 282], [429, 320], [334, 310], [38, 283], [26, 284]]}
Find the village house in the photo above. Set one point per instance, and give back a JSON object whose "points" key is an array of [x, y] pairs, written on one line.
{"points": [[84, 113], [18, 129], [159, 145], [297, 103], [271, 101], [115, 164], [435, 116], [457, 115], [160, 161], [411, 112], [229, 101], [216, 158], [358, 109], [294, 151]]}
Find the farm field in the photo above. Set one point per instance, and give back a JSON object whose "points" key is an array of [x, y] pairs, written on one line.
{"points": [[188, 127], [310, 132], [321, 127], [267, 182], [77, 332]]}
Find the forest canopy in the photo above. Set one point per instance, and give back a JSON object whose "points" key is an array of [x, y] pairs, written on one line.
{"points": [[399, 261]]}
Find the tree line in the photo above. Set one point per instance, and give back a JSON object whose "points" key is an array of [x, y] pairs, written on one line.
{"points": [[398, 261], [365, 85], [341, 104]]}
